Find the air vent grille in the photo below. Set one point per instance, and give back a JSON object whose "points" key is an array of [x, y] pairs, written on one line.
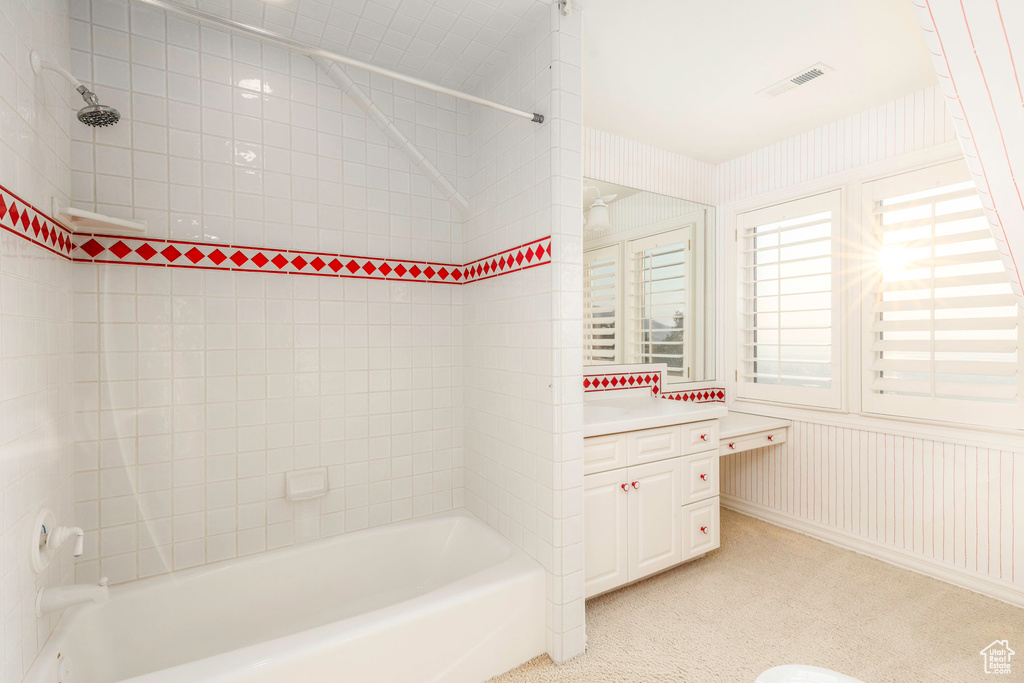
{"points": [[787, 84]]}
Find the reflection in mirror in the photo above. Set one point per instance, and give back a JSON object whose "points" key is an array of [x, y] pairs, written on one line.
{"points": [[648, 281]]}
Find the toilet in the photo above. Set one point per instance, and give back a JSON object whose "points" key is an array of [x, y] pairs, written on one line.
{"points": [[801, 673]]}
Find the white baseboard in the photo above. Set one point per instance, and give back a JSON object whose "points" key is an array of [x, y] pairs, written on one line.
{"points": [[994, 588]]}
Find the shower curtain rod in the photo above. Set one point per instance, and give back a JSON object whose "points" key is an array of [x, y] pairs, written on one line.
{"points": [[312, 51]]}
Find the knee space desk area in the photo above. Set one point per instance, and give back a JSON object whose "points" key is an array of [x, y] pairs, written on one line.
{"points": [[744, 432]]}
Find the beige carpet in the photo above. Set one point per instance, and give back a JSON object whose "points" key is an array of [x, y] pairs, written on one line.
{"points": [[771, 596]]}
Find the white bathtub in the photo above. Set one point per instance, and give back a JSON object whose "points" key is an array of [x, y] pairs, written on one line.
{"points": [[443, 598]]}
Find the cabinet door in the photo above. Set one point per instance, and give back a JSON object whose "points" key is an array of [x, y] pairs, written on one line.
{"points": [[655, 504], [700, 477], [701, 531], [605, 511]]}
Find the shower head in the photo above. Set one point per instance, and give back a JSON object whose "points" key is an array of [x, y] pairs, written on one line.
{"points": [[96, 114], [93, 114]]}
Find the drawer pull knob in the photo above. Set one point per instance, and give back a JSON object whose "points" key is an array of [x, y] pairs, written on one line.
{"points": [[732, 446], [703, 437], [703, 529], [771, 438], [636, 484], [625, 488], [704, 477]]}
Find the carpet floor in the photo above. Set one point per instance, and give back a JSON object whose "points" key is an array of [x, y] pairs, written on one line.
{"points": [[770, 596]]}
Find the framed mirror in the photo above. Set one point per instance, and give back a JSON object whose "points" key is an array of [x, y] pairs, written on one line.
{"points": [[648, 281]]}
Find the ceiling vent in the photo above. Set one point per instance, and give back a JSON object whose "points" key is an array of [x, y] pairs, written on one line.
{"points": [[803, 77]]}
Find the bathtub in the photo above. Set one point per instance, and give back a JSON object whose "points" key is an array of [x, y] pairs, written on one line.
{"points": [[443, 598]]}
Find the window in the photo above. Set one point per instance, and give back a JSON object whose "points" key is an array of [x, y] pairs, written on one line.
{"points": [[660, 328], [789, 333], [941, 325], [601, 304]]}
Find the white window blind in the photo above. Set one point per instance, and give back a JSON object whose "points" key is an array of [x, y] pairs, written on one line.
{"points": [[602, 285], [789, 334], [660, 301], [942, 325]]}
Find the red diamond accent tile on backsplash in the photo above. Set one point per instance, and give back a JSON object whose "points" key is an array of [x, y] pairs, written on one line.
{"points": [[598, 381]]}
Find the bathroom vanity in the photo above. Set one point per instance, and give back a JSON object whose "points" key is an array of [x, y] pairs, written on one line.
{"points": [[650, 486]]}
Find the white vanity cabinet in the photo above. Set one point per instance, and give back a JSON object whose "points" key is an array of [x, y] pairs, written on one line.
{"points": [[650, 501]]}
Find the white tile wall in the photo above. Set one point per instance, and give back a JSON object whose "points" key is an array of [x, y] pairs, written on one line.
{"points": [[35, 315], [523, 333], [195, 391], [226, 139], [453, 42]]}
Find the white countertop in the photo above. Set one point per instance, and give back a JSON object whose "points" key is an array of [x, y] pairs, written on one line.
{"points": [[738, 424], [627, 413]]}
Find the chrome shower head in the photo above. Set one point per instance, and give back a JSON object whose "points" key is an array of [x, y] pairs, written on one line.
{"points": [[96, 114], [93, 114]]}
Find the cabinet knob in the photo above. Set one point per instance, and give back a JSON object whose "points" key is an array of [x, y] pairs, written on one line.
{"points": [[771, 437], [704, 477], [703, 437], [625, 488], [732, 446], [636, 484], [703, 529]]}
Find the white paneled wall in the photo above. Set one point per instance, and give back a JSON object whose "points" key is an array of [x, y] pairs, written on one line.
{"points": [[523, 332], [953, 505], [915, 121], [627, 162], [944, 507], [35, 320], [227, 139]]}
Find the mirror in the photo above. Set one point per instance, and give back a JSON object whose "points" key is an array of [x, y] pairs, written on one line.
{"points": [[648, 281]]}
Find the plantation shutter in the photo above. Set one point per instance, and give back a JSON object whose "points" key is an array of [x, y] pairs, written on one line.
{"points": [[789, 302], [601, 304], [659, 310], [943, 328]]}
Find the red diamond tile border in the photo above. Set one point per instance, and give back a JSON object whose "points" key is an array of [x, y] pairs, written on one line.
{"points": [[26, 221], [623, 380], [705, 395], [523, 257], [617, 381]]}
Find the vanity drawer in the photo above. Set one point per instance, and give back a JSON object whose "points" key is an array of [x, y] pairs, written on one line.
{"points": [[700, 436], [701, 531], [700, 477], [749, 442], [603, 453], [649, 445]]}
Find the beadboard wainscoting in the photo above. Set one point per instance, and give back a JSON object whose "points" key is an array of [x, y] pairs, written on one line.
{"points": [[949, 510]]}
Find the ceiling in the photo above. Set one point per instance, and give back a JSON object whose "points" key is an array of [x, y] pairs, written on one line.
{"points": [[452, 42], [683, 75]]}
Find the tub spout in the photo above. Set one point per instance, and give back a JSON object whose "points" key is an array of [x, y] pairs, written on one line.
{"points": [[59, 597]]}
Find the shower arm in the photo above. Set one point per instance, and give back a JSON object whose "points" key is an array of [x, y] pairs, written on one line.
{"points": [[39, 65], [313, 51]]}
